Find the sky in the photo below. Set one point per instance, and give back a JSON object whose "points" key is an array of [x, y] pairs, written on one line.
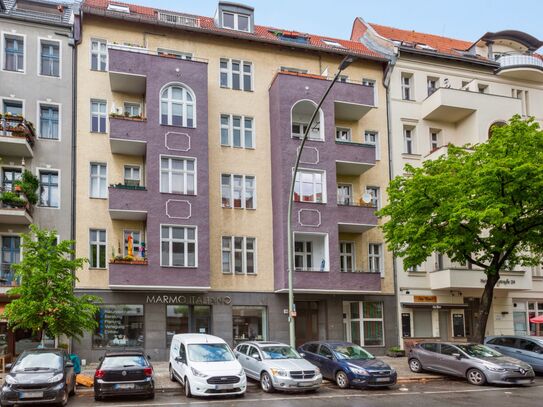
{"points": [[461, 19]]}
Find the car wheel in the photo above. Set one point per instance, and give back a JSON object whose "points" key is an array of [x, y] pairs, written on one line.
{"points": [[342, 380], [188, 393], [266, 383], [172, 374], [97, 397], [476, 377], [415, 365], [151, 396]]}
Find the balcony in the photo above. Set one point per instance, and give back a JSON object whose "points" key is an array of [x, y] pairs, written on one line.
{"points": [[454, 105], [336, 281], [127, 203], [356, 158], [7, 276], [127, 135], [14, 209], [461, 278], [17, 136], [355, 217], [521, 66], [123, 80]]}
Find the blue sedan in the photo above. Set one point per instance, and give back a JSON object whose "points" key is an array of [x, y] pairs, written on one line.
{"points": [[348, 364]]}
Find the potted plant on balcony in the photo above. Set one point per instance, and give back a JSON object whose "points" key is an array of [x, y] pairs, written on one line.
{"points": [[12, 199], [28, 185], [395, 352]]}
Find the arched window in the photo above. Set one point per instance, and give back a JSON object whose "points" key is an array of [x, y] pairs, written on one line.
{"points": [[177, 106], [494, 126], [301, 114]]}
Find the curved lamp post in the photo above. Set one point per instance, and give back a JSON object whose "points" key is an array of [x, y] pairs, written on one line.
{"points": [[348, 60]]}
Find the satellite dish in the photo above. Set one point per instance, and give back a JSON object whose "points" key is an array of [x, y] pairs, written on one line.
{"points": [[366, 198]]}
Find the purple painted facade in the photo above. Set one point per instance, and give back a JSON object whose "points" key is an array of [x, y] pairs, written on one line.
{"points": [[171, 141], [284, 92]]}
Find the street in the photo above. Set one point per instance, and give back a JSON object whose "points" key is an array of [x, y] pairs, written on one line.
{"points": [[450, 392]]}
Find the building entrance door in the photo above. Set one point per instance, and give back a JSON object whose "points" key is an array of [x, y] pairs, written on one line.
{"points": [[471, 314], [444, 324], [307, 321]]}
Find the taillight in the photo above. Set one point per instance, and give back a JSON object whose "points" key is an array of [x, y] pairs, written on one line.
{"points": [[99, 374], [148, 371]]}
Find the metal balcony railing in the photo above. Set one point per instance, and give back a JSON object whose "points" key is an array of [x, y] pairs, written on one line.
{"points": [[178, 19]]}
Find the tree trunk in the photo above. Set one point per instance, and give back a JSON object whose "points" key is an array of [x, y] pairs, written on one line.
{"points": [[486, 303]]}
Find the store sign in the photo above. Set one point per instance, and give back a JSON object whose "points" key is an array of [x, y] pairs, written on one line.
{"points": [[188, 300], [505, 282], [425, 298]]}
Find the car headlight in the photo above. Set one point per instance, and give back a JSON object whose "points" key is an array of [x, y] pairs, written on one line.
{"points": [[197, 373], [11, 380], [358, 370], [392, 370], [495, 368], [241, 372], [279, 372], [55, 378], [317, 370]]}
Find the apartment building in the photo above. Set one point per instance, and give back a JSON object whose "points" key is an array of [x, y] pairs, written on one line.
{"points": [[187, 132], [36, 49], [446, 91]]}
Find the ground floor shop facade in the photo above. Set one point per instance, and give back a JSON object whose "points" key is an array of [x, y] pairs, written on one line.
{"points": [[148, 320]]}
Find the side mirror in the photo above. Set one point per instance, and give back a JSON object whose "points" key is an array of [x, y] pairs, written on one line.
{"points": [[149, 357], [330, 357], [180, 359], [256, 356], [302, 354], [9, 366], [457, 355]]}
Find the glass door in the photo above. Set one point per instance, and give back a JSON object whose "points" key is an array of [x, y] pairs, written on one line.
{"points": [[344, 194]]}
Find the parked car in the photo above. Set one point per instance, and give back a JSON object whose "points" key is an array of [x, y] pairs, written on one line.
{"points": [[529, 349], [278, 366], [348, 364], [477, 363], [39, 376], [205, 366], [126, 373]]}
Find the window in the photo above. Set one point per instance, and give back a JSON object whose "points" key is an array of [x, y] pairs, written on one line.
{"points": [[9, 176], [183, 319], [178, 246], [249, 323], [178, 175], [372, 137], [432, 84], [325, 351], [98, 181], [49, 118], [529, 346], [364, 322], [132, 175], [10, 254], [236, 21], [237, 131], [422, 323], [176, 54], [375, 193], [431, 347], [371, 83], [375, 258], [97, 248], [293, 70], [238, 191], [13, 107], [435, 139], [346, 257], [333, 43], [482, 88], [345, 194], [408, 140], [136, 242], [132, 109], [177, 107], [343, 78], [309, 186], [407, 91], [49, 189], [119, 326], [14, 53], [98, 116], [303, 255], [343, 134], [449, 350], [49, 58], [238, 255], [98, 55], [236, 74]]}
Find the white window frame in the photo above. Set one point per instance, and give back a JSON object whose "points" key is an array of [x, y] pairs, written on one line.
{"points": [[346, 130], [236, 21], [178, 54], [231, 253], [132, 105], [185, 241], [437, 140], [375, 193], [98, 53], [367, 135], [185, 172], [350, 197], [372, 83], [312, 171], [230, 129], [99, 115], [184, 102], [344, 255], [407, 88], [3, 53], [132, 167], [229, 73], [243, 191], [409, 140], [98, 250], [376, 259], [429, 80], [44, 39], [137, 247], [304, 253], [39, 170], [303, 237], [100, 180]]}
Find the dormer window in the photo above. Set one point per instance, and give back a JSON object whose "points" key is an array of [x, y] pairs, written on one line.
{"points": [[235, 16], [236, 21]]}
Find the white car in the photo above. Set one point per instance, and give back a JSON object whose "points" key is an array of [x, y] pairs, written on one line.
{"points": [[205, 366]]}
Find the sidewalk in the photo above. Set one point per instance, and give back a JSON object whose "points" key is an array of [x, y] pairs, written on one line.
{"points": [[163, 383]]}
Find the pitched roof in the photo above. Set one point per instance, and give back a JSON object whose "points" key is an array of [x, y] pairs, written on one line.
{"points": [[207, 24], [61, 16]]}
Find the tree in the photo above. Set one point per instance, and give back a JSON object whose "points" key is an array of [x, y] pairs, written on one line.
{"points": [[45, 301], [481, 205]]}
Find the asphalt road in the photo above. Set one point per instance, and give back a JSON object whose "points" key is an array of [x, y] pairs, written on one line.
{"points": [[431, 394]]}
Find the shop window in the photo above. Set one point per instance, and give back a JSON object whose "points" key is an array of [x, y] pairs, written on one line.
{"points": [[249, 324], [365, 323], [422, 323], [25, 340], [183, 319], [119, 326]]}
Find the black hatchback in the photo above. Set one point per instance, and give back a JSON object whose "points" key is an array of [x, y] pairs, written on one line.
{"points": [[127, 373], [39, 376]]}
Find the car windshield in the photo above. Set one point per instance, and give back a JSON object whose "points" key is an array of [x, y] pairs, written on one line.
{"points": [[279, 352], [28, 362], [112, 362], [210, 352], [354, 352], [479, 351]]}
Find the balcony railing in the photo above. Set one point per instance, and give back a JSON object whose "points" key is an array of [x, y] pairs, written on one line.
{"points": [[353, 202], [177, 19], [360, 271], [125, 186], [510, 61], [7, 276], [17, 126], [12, 199]]}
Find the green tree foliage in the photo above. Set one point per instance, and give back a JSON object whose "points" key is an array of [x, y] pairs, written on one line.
{"points": [[45, 301], [481, 205]]}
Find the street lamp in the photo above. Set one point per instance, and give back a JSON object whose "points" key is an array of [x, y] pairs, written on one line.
{"points": [[348, 60]]}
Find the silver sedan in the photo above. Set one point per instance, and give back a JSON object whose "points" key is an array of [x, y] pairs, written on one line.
{"points": [[278, 367]]}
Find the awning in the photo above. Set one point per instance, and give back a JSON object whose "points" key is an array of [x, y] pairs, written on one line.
{"points": [[436, 305], [537, 320]]}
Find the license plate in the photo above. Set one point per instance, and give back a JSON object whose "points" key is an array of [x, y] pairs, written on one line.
{"points": [[31, 395], [305, 384], [224, 386], [124, 386], [382, 379], [524, 381]]}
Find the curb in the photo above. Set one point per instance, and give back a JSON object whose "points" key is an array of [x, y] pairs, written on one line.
{"points": [[424, 379]]}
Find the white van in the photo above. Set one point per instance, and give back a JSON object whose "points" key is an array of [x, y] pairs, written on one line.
{"points": [[206, 366]]}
